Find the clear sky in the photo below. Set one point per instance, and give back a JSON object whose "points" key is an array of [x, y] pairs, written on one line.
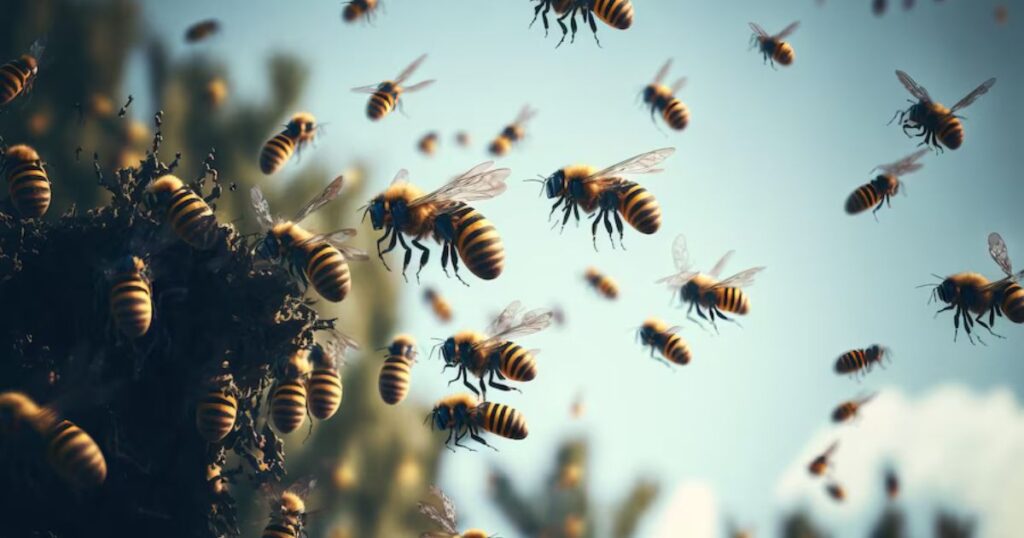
{"points": [[764, 168]]}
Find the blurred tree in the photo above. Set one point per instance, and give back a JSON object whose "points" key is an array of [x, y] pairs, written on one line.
{"points": [[950, 525], [891, 524], [800, 525]]}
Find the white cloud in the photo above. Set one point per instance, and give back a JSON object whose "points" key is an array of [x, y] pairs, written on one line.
{"points": [[952, 445], [691, 513]]}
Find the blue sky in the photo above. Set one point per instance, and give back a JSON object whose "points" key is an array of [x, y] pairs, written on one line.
{"points": [[763, 168]]}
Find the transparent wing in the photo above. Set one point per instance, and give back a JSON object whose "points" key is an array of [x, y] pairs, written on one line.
{"points": [[997, 249], [974, 95], [681, 257], [673, 329], [758, 30], [366, 89], [435, 515], [478, 183], [525, 115], [37, 48], [445, 518], [831, 448], [401, 177], [329, 193], [447, 504], [913, 87], [532, 322], [418, 86], [741, 279], [505, 319], [787, 31], [717, 269], [641, 164], [905, 165], [678, 85], [409, 70], [262, 207], [662, 72]]}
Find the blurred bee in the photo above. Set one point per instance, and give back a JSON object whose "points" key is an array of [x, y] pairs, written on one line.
{"points": [[404, 211], [216, 92], [892, 483], [940, 126], [512, 133], [965, 293], [601, 282], [396, 373], [288, 512], [217, 409], [662, 99], [463, 139], [578, 407], [300, 130], [1001, 14], [1007, 293], [189, 215], [202, 30], [27, 181], [100, 105], [836, 491], [357, 9], [442, 310], [384, 96], [320, 260], [772, 47], [860, 361], [884, 186], [848, 409], [615, 13], [325, 388], [18, 76], [493, 354], [581, 186], [446, 518], [428, 144], [657, 335], [71, 452], [131, 297], [822, 462], [706, 292]]}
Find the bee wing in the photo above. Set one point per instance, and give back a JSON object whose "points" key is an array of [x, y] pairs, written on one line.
{"points": [[997, 249], [974, 95], [913, 87], [445, 519], [479, 183], [533, 321], [401, 177], [262, 208], [409, 70], [525, 115], [905, 165], [505, 319], [366, 89], [37, 48], [662, 72], [329, 193], [418, 86], [337, 239], [435, 515], [787, 31], [673, 329], [831, 448], [678, 85], [717, 269], [681, 257], [758, 30], [741, 279], [640, 164]]}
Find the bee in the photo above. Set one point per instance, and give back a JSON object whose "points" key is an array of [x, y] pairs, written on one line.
{"points": [[18, 76], [615, 13], [190, 216], [463, 139], [71, 452], [601, 282], [578, 406], [512, 133], [657, 335], [822, 462], [438, 305], [131, 297], [892, 483], [404, 211], [325, 388], [288, 512], [660, 98], [384, 96], [1008, 295], [216, 92], [859, 361], [446, 518], [357, 9], [27, 181], [428, 144], [300, 130], [217, 409], [849, 409], [940, 126], [884, 186], [396, 373], [202, 30], [604, 191], [836, 491], [878, 7], [320, 260], [772, 47], [704, 291], [965, 293], [492, 354]]}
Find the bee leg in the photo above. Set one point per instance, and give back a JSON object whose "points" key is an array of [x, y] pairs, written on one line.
{"points": [[565, 31], [423, 257], [460, 436], [405, 258], [567, 214], [619, 227], [950, 307], [576, 213], [593, 229], [391, 246], [465, 381], [987, 326], [444, 259], [593, 26], [499, 386], [555, 206], [537, 11], [481, 440], [455, 263]]}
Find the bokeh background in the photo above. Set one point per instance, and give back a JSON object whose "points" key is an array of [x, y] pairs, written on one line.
{"points": [[764, 168]]}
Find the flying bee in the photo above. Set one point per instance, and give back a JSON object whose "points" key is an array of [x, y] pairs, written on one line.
{"points": [[822, 462], [772, 47], [384, 96], [463, 139], [849, 409], [300, 130], [940, 126], [215, 92], [446, 518], [404, 211], [396, 373], [359, 9], [601, 282], [428, 144], [836, 491], [217, 408], [493, 354], [512, 133], [325, 388], [189, 215], [1007, 293], [320, 260], [18, 76], [892, 483], [27, 181], [884, 186], [604, 191], [615, 13], [704, 291], [966, 294], [438, 304], [662, 99], [657, 335], [860, 361], [202, 30], [131, 297]]}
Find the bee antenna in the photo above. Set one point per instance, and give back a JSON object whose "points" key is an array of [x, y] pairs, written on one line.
{"points": [[937, 276]]}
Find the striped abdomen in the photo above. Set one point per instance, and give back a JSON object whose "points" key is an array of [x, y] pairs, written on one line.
{"points": [[478, 243], [279, 530], [192, 219], [381, 104], [783, 53], [852, 361], [215, 415], [325, 392], [288, 406], [500, 146], [276, 152], [865, 197], [733, 300], [327, 271], [29, 187], [615, 13], [639, 208], [516, 363], [501, 419], [602, 283], [357, 8], [676, 350], [75, 456], [1013, 303], [131, 303], [14, 78], [676, 115], [844, 412], [395, 378], [950, 131]]}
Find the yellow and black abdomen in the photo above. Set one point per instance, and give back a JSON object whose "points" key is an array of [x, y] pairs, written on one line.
{"points": [[516, 363], [395, 378], [478, 243], [1013, 303], [215, 415], [131, 303], [676, 115], [325, 392], [500, 146], [328, 272], [27, 182], [288, 406], [192, 219], [639, 208], [75, 456], [783, 53], [615, 13], [950, 131], [851, 361], [381, 104], [14, 78], [502, 420], [279, 530], [865, 197], [276, 152], [676, 350], [731, 299], [357, 8]]}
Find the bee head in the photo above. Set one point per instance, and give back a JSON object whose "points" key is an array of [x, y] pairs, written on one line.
{"points": [[377, 209], [440, 417], [690, 292], [448, 351], [554, 185], [649, 93], [948, 291]]}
